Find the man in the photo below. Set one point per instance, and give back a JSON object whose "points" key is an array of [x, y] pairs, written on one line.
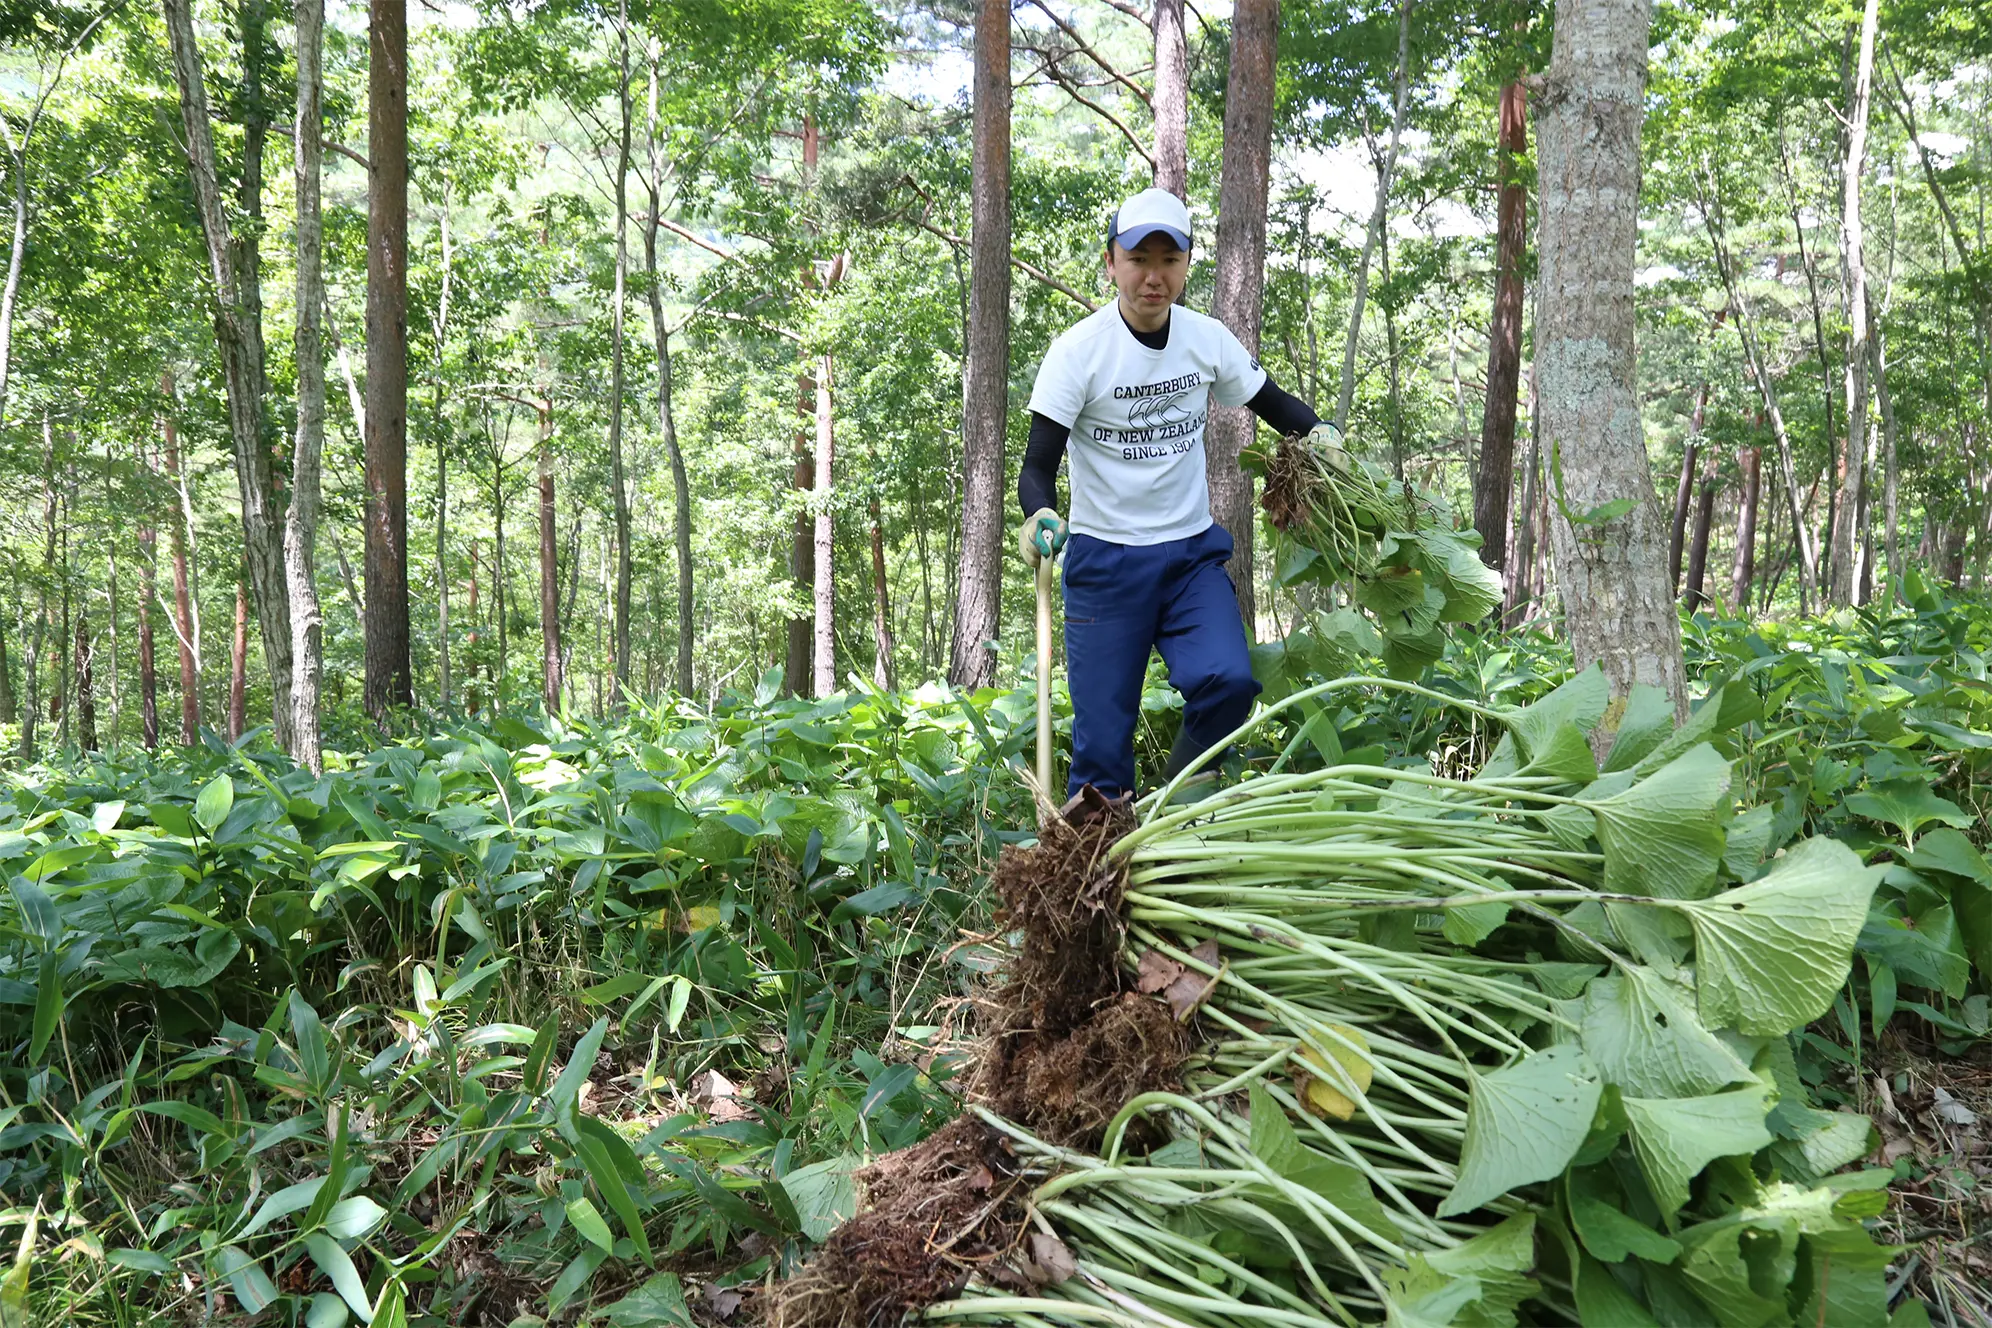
{"points": [[1129, 388]]}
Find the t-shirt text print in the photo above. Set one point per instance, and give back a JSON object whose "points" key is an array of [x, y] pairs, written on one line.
{"points": [[1138, 416]]}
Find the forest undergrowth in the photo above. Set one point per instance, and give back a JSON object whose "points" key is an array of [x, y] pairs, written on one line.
{"points": [[544, 1019]]}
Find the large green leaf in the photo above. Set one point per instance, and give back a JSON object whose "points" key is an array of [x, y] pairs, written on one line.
{"points": [[1674, 1138], [1727, 1277], [1274, 1142], [1663, 836], [1524, 1123], [1772, 954], [1642, 1033], [212, 805], [1907, 804], [1643, 724]]}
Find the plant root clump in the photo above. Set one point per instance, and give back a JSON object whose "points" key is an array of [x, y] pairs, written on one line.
{"points": [[931, 1216], [1069, 1042], [1291, 476]]}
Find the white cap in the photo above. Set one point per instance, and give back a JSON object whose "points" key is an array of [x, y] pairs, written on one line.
{"points": [[1149, 212]]}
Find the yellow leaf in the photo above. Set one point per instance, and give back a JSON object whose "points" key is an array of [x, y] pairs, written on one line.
{"points": [[1342, 1067], [701, 916]]}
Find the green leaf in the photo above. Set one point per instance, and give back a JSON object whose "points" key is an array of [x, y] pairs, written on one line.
{"points": [[878, 899], [251, 1284], [1580, 701], [607, 1158], [1642, 1034], [335, 1263], [1674, 1138], [1609, 1233], [326, 1311], [1274, 1143], [39, 913], [567, 1088], [1945, 850], [48, 1005], [1662, 836], [1645, 722], [1771, 955], [14, 1286], [288, 1200], [590, 1224], [658, 1303], [310, 1034], [354, 1217], [1603, 1303], [824, 1195], [212, 805], [572, 1278], [1717, 1266], [618, 987], [1906, 804], [391, 1310], [1524, 1123], [681, 998]]}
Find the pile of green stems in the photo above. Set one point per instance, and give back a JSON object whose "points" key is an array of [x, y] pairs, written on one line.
{"points": [[1280, 870]]}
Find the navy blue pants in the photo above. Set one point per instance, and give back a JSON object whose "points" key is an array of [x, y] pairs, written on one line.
{"points": [[1123, 600]]}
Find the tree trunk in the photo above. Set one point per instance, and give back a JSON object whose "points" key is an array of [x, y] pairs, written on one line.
{"points": [[238, 664], [239, 336], [1684, 493], [1811, 270], [618, 479], [1618, 609], [825, 589], [1385, 170], [1853, 268], [1241, 271], [441, 423], [86, 692], [148, 658], [32, 679], [301, 525], [184, 626], [884, 669], [667, 423], [1695, 595], [1750, 461], [1759, 370], [1504, 339], [802, 545], [986, 372], [549, 566], [17, 250], [389, 685], [1171, 98]]}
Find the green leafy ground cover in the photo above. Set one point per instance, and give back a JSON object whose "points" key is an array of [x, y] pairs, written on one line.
{"points": [[554, 1019]]}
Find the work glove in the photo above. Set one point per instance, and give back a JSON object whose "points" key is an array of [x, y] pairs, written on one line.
{"points": [[1325, 440], [1043, 536]]}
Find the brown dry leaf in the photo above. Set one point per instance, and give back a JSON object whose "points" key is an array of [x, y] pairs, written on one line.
{"points": [[1155, 972], [721, 1301], [720, 1097], [980, 1180], [1051, 1263], [1190, 988]]}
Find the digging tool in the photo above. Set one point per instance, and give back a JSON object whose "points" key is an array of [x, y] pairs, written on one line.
{"points": [[1044, 579]]}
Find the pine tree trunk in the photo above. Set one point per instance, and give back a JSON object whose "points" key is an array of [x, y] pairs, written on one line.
{"points": [[1618, 609], [618, 479], [1171, 98], [1241, 272], [1853, 269], [986, 373], [549, 567], [301, 525], [825, 590], [1496, 477], [238, 664], [389, 684], [239, 336], [1750, 461], [184, 626]]}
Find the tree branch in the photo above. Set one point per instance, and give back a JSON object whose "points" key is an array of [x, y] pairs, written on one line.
{"points": [[1131, 11], [327, 144], [1058, 77], [1093, 55], [1036, 274]]}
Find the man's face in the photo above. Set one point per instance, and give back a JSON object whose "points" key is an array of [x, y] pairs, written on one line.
{"points": [[1149, 276]]}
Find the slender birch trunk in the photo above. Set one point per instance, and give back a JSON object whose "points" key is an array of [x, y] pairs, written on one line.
{"points": [[618, 478], [1386, 169], [307, 619], [667, 424], [1853, 268]]}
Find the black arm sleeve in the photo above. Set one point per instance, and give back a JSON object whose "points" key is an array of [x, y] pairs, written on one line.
{"points": [[1287, 414], [1037, 482]]}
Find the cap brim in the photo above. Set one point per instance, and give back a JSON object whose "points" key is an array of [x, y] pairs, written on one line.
{"points": [[1135, 234]]}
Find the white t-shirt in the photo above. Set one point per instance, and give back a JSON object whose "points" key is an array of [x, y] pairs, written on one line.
{"points": [[1137, 418]]}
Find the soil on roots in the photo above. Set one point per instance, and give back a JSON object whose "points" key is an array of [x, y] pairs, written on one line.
{"points": [[931, 1216], [1291, 474], [1069, 1042]]}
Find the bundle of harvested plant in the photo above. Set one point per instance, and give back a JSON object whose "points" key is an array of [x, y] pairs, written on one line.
{"points": [[1476, 1052], [1393, 549]]}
